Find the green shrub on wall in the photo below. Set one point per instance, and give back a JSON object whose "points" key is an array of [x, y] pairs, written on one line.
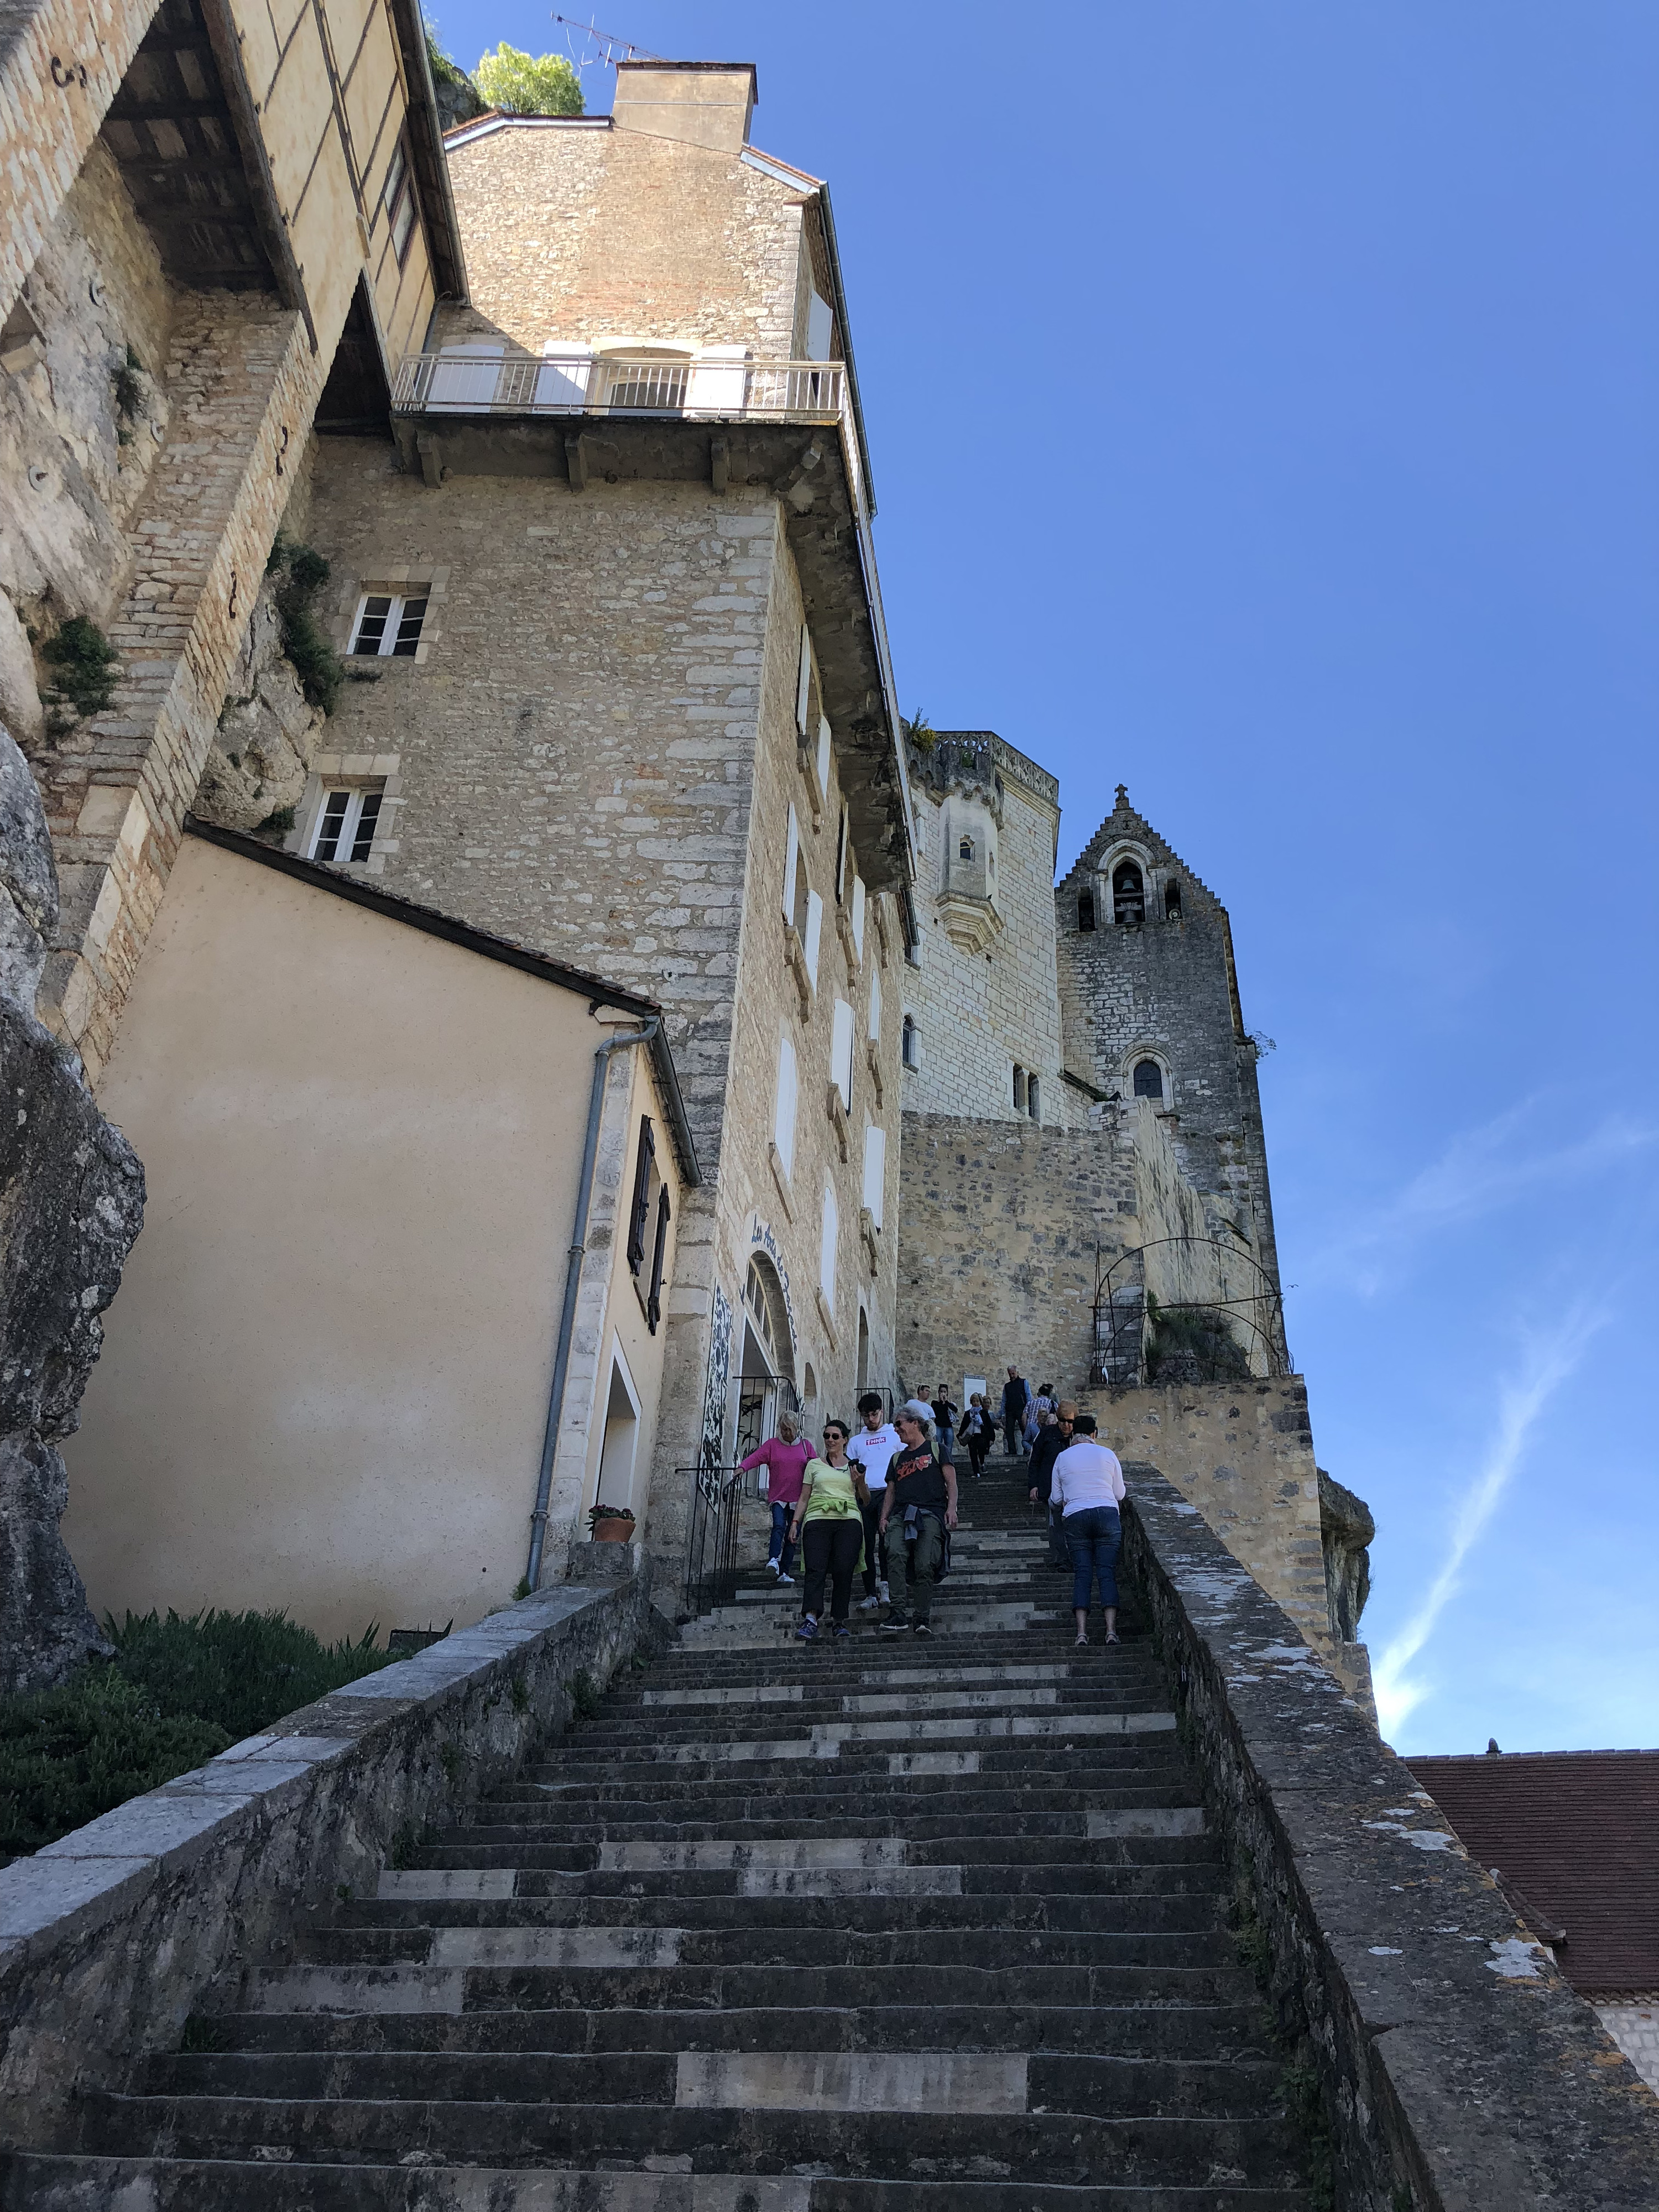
{"points": [[178, 1691]]}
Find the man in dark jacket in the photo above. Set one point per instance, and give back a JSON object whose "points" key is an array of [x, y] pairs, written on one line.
{"points": [[1016, 1396], [1051, 1440]]}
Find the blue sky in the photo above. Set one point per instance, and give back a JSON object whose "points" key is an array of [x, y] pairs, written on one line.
{"points": [[1264, 402]]}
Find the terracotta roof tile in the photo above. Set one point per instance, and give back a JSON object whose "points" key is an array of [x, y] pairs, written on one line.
{"points": [[1577, 1834]]}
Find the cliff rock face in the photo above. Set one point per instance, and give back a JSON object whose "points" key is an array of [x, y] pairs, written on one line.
{"points": [[71, 1199], [261, 755], [1346, 1527]]}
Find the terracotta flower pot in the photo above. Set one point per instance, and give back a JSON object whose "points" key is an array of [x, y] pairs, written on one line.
{"points": [[613, 1532]]}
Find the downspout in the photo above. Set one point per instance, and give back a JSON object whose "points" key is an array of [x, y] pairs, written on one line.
{"points": [[532, 1573]]}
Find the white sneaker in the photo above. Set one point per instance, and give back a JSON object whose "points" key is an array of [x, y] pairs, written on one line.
{"points": [[773, 1564], [869, 1604], [885, 1599], [785, 1580]]}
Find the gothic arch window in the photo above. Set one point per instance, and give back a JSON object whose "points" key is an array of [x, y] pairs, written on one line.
{"points": [[1148, 1080], [1128, 894], [964, 848], [1085, 909], [1172, 900], [910, 1044]]}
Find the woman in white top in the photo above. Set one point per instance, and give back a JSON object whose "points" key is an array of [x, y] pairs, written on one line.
{"points": [[1088, 1486]]}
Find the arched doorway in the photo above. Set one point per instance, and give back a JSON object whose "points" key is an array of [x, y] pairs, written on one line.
{"points": [[765, 1371]]}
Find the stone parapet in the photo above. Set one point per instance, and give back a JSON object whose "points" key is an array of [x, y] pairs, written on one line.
{"points": [[1457, 2069], [108, 1936]]}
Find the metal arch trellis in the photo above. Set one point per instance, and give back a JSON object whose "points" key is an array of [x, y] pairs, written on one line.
{"points": [[1121, 1311]]}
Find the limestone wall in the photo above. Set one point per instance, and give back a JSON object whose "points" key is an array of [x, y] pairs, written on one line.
{"points": [[1001, 1228], [581, 230], [985, 1005]]}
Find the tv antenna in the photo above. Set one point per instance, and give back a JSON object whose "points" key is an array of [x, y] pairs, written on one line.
{"points": [[601, 49]]}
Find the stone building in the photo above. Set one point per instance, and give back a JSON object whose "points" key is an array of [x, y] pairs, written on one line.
{"points": [[1084, 1188]]}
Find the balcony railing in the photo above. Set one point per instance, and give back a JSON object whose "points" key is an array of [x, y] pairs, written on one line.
{"points": [[534, 384]]}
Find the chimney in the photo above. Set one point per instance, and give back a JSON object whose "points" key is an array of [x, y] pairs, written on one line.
{"points": [[700, 103]]}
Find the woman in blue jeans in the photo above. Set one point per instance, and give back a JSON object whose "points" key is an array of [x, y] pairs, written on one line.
{"points": [[1088, 1489]]}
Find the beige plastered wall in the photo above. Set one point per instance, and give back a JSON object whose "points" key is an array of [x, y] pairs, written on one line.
{"points": [[325, 1378]]}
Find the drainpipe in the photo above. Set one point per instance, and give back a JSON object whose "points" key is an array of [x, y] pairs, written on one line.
{"points": [[622, 1039]]}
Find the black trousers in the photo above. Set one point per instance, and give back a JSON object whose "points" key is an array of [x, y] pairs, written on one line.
{"points": [[831, 1548], [977, 1447], [871, 1548]]}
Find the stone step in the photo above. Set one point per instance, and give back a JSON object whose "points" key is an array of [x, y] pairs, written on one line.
{"points": [[1167, 2029], [709, 1899], [402, 1990], [982, 2124], [550, 1830], [30, 2182], [802, 2076]]}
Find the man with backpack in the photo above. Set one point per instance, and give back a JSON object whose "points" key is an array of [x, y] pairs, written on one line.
{"points": [[917, 1511]]}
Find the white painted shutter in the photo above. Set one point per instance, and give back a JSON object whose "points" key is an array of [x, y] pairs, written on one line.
{"points": [[563, 381], [858, 921], [791, 862], [814, 932], [824, 755], [783, 1113], [827, 1249], [717, 378], [840, 1053], [803, 681], [875, 1007], [875, 1171]]}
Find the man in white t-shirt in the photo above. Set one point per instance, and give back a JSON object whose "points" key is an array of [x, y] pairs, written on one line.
{"points": [[873, 1449]]}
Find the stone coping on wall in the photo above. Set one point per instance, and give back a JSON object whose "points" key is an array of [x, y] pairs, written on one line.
{"points": [[1459, 2072], [109, 1936]]}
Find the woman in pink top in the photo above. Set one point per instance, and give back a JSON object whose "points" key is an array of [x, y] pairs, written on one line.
{"points": [[784, 1457]]}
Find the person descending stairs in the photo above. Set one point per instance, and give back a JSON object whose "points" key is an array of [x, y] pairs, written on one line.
{"points": [[867, 1926]]}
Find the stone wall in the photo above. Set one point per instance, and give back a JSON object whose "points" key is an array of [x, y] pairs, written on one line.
{"points": [[1456, 2069], [109, 1936], [586, 231], [1002, 1224]]}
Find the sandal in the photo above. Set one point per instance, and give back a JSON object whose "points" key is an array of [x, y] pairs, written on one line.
{"points": [[1114, 1637], [1082, 1642]]}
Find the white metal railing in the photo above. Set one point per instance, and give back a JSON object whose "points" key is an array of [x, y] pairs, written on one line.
{"points": [[473, 381]]}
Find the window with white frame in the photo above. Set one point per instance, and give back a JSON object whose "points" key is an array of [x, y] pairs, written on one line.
{"points": [[346, 823], [858, 915], [875, 1171], [388, 624], [804, 684], [398, 196], [792, 868], [840, 1053], [875, 1010], [783, 1109], [827, 1248]]}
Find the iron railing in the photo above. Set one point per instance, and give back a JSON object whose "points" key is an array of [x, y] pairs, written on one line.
{"points": [[711, 1536], [1235, 1329], [536, 384]]}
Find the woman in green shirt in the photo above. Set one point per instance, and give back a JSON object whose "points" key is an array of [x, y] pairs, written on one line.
{"points": [[829, 1510]]}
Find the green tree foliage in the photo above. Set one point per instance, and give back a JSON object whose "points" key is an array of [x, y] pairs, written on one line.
{"points": [[519, 85]]}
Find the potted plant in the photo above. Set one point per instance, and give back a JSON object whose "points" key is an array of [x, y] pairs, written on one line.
{"points": [[610, 1524]]}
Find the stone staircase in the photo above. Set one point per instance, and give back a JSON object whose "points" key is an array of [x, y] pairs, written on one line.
{"points": [[892, 1925]]}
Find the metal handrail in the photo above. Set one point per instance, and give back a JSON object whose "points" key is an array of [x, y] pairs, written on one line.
{"points": [[537, 384], [711, 1536], [1121, 1311]]}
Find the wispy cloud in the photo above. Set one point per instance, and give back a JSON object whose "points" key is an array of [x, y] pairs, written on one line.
{"points": [[1546, 1361], [1480, 1172]]}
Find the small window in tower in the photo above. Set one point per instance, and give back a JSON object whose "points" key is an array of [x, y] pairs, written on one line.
{"points": [[388, 624], [346, 823], [1085, 909], [966, 850], [1149, 1079], [1171, 901], [911, 1043], [1019, 1090], [1128, 894], [1033, 1101]]}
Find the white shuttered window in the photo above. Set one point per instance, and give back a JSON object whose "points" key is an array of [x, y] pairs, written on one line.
{"points": [[783, 1112], [840, 1053], [875, 1171]]}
